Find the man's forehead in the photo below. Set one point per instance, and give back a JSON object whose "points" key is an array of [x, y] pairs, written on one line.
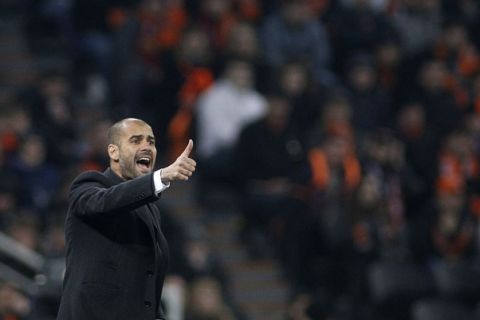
{"points": [[132, 128]]}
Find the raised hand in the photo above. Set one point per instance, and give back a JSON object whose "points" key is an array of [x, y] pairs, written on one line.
{"points": [[182, 168]]}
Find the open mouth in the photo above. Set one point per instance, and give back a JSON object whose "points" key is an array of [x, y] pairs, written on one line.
{"points": [[144, 163]]}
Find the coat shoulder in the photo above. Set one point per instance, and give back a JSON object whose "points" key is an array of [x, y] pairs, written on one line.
{"points": [[91, 176]]}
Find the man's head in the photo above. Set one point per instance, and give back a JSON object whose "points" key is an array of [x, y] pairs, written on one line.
{"points": [[295, 12], [240, 73], [131, 148], [278, 114]]}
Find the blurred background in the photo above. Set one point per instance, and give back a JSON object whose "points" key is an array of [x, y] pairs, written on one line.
{"points": [[337, 143]]}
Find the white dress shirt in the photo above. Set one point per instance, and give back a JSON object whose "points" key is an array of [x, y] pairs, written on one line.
{"points": [[158, 184]]}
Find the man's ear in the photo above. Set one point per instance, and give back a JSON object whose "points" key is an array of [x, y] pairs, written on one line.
{"points": [[113, 152]]}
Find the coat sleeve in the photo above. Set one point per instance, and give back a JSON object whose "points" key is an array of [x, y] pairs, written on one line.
{"points": [[91, 195]]}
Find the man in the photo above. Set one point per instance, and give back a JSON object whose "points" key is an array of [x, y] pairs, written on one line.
{"points": [[116, 252], [221, 112]]}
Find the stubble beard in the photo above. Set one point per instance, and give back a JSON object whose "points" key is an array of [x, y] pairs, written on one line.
{"points": [[128, 169]]}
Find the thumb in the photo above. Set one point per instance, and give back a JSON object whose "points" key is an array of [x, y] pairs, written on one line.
{"points": [[188, 149]]}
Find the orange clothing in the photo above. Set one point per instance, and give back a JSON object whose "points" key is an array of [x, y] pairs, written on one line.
{"points": [[197, 81], [160, 31], [453, 173], [321, 170]]}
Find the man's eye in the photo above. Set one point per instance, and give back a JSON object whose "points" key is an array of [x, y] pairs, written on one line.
{"points": [[136, 141], [152, 143]]}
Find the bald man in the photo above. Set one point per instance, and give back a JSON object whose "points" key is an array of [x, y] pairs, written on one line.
{"points": [[116, 252]]}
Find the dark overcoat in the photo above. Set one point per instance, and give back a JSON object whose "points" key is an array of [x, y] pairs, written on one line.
{"points": [[116, 253]]}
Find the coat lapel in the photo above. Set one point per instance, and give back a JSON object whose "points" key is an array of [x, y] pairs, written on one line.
{"points": [[142, 212]]}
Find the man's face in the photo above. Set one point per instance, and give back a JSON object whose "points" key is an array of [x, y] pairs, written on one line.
{"points": [[240, 73], [137, 152]]}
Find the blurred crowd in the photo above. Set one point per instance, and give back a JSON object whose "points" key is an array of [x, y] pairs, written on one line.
{"points": [[348, 130]]}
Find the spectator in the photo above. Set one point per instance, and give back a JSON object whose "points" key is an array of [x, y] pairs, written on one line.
{"points": [[306, 306], [147, 75], [26, 231], [457, 165], [379, 214], [39, 178], [92, 36], [379, 227], [206, 301], [161, 26], [389, 60], [336, 173], [222, 111], [292, 34], [335, 119], [371, 106], [418, 24], [421, 150], [202, 262], [50, 105], [16, 124], [54, 239], [94, 142], [466, 11], [371, 28], [173, 89], [441, 111], [294, 81], [384, 157], [243, 43], [217, 18], [445, 230], [272, 169], [455, 49], [324, 243], [14, 305]]}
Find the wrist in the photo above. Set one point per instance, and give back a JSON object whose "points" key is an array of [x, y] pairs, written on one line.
{"points": [[163, 177], [159, 185]]}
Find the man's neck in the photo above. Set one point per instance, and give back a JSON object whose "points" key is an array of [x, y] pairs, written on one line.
{"points": [[116, 169]]}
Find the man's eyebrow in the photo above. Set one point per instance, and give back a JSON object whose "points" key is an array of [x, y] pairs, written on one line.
{"points": [[138, 136]]}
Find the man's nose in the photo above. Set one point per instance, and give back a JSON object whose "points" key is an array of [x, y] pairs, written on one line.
{"points": [[146, 146]]}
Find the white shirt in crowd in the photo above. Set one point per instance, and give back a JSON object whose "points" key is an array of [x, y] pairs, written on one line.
{"points": [[222, 112]]}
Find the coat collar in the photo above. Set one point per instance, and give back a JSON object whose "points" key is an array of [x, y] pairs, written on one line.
{"points": [[114, 178]]}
